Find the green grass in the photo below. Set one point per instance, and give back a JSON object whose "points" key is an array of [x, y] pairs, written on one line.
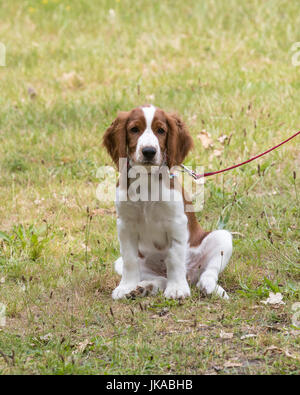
{"points": [[224, 67]]}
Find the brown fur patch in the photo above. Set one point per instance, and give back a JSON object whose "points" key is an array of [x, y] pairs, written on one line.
{"points": [[197, 234], [180, 141], [114, 139]]}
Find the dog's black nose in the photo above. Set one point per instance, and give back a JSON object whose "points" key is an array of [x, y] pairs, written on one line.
{"points": [[149, 152]]}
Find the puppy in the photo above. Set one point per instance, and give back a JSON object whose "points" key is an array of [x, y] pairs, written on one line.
{"points": [[162, 245]]}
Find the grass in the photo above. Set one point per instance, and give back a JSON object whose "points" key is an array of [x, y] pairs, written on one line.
{"points": [[70, 66]]}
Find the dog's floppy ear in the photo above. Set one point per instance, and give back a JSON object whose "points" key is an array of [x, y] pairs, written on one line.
{"points": [[114, 139], [179, 141]]}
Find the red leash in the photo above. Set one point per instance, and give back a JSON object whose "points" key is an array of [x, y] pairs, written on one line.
{"points": [[197, 176]]}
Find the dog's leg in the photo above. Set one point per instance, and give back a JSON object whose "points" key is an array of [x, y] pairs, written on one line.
{"points": [[177, 285], [215, 250], [151, 283], [119, 265], [128, 238]]}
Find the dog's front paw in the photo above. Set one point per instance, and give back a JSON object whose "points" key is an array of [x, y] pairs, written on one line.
{"points": [[123, 290], [177, 291]]}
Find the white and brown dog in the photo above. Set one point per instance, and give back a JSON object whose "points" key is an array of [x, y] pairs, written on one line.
{"points": [[162, 245]]}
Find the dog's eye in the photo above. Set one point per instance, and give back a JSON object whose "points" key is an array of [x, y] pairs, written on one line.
{"points": [[134, 130], [160, 131]]}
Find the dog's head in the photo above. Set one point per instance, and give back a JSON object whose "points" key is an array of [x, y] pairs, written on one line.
{"points": [[148, 136]]}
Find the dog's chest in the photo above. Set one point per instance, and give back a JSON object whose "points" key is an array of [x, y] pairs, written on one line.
{"points": [[153, 228], [153, 222]]}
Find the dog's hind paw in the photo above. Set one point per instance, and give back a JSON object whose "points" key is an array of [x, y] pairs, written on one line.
{"points": [[144, 288], [122, 291], [208, 286]]}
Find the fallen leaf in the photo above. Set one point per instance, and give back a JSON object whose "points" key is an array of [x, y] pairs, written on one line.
{"points": [[103, 211], [248, 336], [274, 299], [38, 201], [72, 80], [85, 247], [2, 314], [222, 138], [82, 346], [211, 372], [46, 337], [192, 119], [111, 14], [225, 335], [2, 280], [288, 354], [217, 153], [273, 349], [150, 98], [205, 138], [31, 92]]}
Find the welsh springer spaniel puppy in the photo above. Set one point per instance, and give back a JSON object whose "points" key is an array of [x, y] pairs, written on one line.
{"points": [[162, 245]]}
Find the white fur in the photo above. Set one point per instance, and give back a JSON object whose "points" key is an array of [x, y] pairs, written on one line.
{"points": [[119, 266], [148, 138], [153, 229], [158, 230], [212, 255], [214, 252]]}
